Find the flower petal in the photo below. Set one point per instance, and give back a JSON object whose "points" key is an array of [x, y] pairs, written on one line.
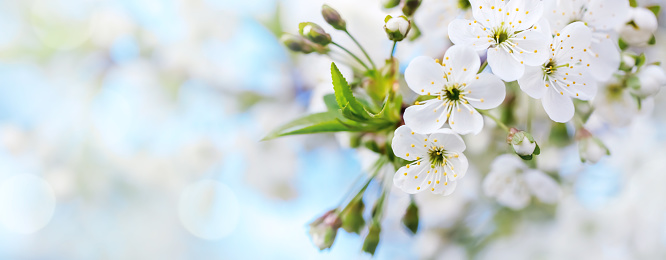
{"points": [[573, 41], [515, 195], [604, 59], [577, 82], [558, 106], [413, 179], [486, 91], [463, 63], [449, 139], [531, 47], [466, 120], [408, 144], [524, 14], [485, 11], [423, 75], [504, 64], [533, 82], [456, 167], [426, 118], [542, 186], [469, 33], [607, 14]]}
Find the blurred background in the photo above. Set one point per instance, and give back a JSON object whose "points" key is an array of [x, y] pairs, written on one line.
{"points": [[130, 129]]}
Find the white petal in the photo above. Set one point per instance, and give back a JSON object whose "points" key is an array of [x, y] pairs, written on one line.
{"points": [[447, 138], [504, 64], [507, 162], [531, 47], [558, 106], [426, 118], [607, 14], [542, 186], [416, 179], [408, 144], [577, 82], [456, 167], [445, 188], [485, 12], [468, 33], [487, 91], [533, 82], [515, 195], [423, 75], [463, 63], [523, 14], [604, 59], [573, 41], [495, 182], [466, 120]]}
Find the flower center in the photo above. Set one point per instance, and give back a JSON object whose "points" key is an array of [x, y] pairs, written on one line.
{"points": [[464, 4], [452, 93], [614, 91], [501, 35], [437, 157]]}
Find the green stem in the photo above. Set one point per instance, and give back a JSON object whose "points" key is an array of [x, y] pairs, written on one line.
{"points": [[393, 49], [353, 56], [362, 49], [483, 66], [499, 123]]}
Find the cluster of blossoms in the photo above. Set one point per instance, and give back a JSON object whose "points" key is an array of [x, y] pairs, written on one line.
{"points": [[577, 57]]}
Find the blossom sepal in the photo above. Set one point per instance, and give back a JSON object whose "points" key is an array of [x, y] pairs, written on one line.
{"points": [[352, 216], [314, 33], [372, 239], [411, 217], [324, 229], [523, 144]]}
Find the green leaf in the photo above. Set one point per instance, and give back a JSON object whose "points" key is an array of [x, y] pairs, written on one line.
{"points": [[633, 3], [652, 40], [313, 123], [331, 104], [344, 95], [640, 60], [623, 45], [655, 9]]}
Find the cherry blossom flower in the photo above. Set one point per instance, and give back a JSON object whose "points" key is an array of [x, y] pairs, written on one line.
{"points": [[564, 75], [459, 91], [512, 183], [602, 16], [437, 160], [508, 29]]}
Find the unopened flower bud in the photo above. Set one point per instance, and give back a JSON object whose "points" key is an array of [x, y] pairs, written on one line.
{"points": [[352, 216], [324, 229], [410, 7], [296, 43], [641, 28], [590, 148], [652, 78], [397, 28], [523, 144], [411, 217], [314, 33], [628, 61], [390, 3], [333, 18], [372, 240]]}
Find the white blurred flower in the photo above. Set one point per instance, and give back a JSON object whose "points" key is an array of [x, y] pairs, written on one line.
{"points": [[652, 79], [602, 16], [437, 158], [508, 29], [564, 76], [459, 90], [434, 16], [614, 104], [512, 183], [592, 149], [642, 26]]}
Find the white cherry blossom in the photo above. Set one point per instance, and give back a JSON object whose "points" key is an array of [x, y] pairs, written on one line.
{"points": [[509, 29], [602, 16], [512, 183], [642, 27], [459, 91], [565, 75], [437, 160]]}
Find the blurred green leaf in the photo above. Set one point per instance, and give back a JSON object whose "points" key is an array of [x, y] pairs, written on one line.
{"points": [[313, 123]]}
